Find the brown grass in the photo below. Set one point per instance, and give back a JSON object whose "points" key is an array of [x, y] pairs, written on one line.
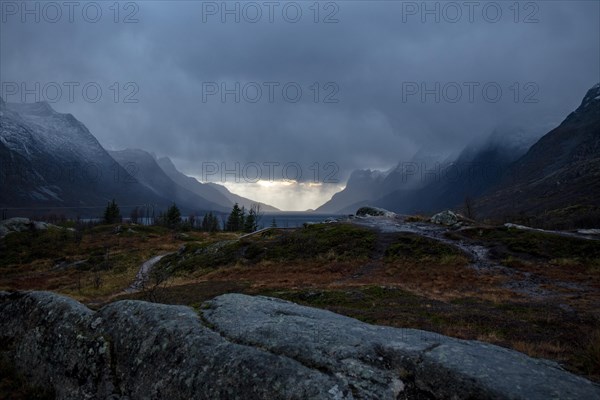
{"points": [[418, 285]]}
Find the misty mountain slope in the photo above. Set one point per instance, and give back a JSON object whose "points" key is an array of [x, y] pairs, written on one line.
{"points": [[478, 168], [576, 139], [242, 201], [362, 186], [192, 184], [210, 191], [561, 170], [412, 175], [366, 186], [144, 167], [51, 159], [429, 182]]}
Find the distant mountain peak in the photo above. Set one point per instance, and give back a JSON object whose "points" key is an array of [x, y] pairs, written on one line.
{"points": [[592, 98]]}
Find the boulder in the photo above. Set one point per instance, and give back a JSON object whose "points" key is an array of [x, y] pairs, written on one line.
{"points": [[139, 350], [374, 212], [19, 224], [447, 218], [245, 347]]}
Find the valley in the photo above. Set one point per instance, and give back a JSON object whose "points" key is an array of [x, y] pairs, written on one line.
{"points": [[353, 200]]}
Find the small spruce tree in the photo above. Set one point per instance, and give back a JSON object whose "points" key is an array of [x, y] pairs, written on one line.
{"points": [[112, 214], [213, 223], [235, 221], [173, 216], [250, 223], [205, 223]]}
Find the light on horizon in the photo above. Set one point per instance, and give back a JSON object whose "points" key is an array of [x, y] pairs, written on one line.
{"points": [[287, 195]]}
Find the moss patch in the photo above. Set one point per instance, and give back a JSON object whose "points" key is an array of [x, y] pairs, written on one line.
{"points": [[331, 242], [407, 246]]}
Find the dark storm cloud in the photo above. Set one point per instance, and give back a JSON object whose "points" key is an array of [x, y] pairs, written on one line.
{"points": [[371, 55]]}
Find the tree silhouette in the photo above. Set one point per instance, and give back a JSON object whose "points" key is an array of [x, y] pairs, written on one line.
{"points": [[251, 223], [235, 222], [210, 223], [173, 216], [112, 214]]}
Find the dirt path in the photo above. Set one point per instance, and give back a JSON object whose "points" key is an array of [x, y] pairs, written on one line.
{"points": [[143, 274], [577, 235], [525, 283]]}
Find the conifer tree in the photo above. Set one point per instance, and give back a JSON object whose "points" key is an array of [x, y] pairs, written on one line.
{"points": [[235, 221], [112, 214], [205, 223], [173, 216], [250, 223], [213, 223]]}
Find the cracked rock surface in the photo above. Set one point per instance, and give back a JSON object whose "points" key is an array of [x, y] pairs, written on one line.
{"points": [[253, 347]]}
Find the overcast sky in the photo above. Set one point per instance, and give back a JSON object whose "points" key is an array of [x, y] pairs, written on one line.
{"points": [[361, 67]]}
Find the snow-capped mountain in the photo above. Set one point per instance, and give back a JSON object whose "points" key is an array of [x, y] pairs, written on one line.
{"points": [[50, 160]]}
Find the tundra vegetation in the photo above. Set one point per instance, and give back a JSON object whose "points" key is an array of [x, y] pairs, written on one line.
{"points": [[399, 279]]}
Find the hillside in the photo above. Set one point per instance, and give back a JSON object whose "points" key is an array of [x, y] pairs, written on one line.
{"points": [[553, 181], [534, 292], [51, 161], [211, 191], [52, 164], [559, 177], [146, 170]]}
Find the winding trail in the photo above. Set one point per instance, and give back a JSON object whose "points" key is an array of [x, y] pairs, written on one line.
{"points": [[144, 272], [577, 235], [520, 282]]}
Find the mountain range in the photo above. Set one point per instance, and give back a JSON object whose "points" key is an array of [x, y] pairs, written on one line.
{"points": [[510, 175], [51, 163], [213, 192], [428, 182]]}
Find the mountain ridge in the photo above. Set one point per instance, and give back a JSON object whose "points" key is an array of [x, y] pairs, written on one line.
{"points": [[146, 170], [51, 160], [51, 163], [559, 171], [211, 191], [503, 178]]}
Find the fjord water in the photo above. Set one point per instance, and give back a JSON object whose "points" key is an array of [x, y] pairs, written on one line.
{"points": [[293, 219]]}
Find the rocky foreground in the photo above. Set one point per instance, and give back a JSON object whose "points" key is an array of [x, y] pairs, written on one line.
{"points": [[243, 347]]}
